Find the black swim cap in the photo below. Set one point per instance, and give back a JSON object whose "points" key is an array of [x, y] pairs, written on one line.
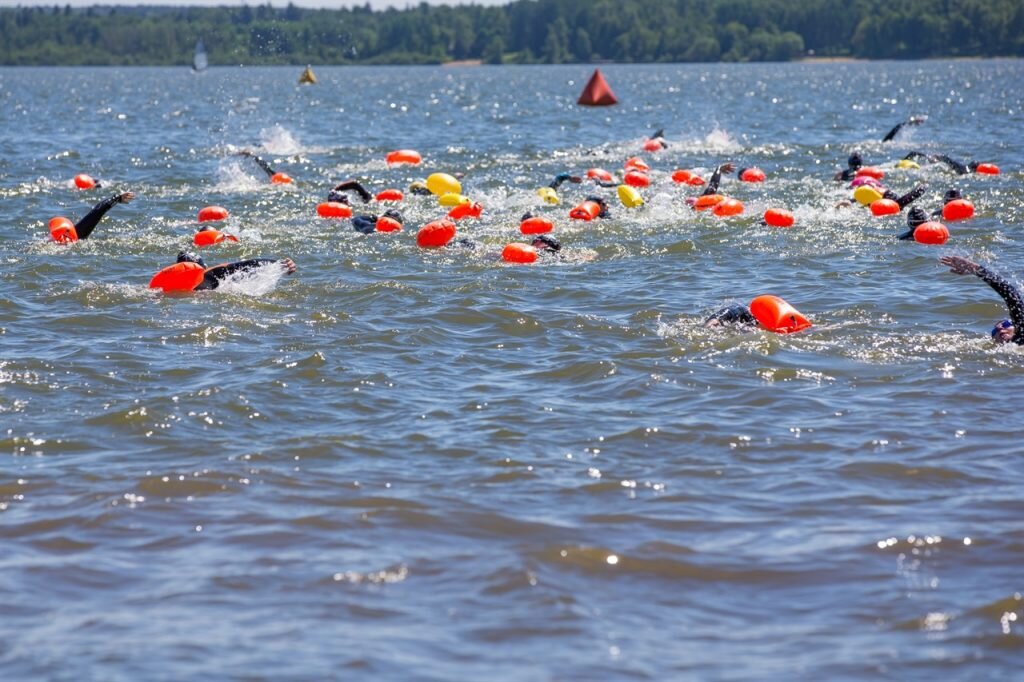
{"points": [[855, 160], [951, 195], [546, 243], [186, 257], [916, 216], [394, 215]]}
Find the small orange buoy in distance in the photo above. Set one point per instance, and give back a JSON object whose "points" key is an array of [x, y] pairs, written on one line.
{"points": [[727, 207], [211, 237], [517, 252], [600, 174], [987, 169], [687, 177], [465, 211], [210, 213], [931, 233], [958, 209], [404, 156], [778, 217], [776, 315], [636, 163], [883, 207], [588, 210], [636, 178], [536, 225], [653, 145], [752, 175], [334, 209], [281, 179], [706, 201], [178, 277], [437, 233], [83, 181], [388, 224], [390, 195], [63, 230], [870, 172]]}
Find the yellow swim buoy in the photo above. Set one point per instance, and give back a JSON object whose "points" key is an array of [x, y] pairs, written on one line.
{"points": [[442, 183], [630, 197], [453, 199], [549, 195], [866, 195], [907, 164]]}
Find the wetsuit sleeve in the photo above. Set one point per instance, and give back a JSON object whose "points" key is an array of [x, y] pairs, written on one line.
{"points": [[713, 183], [215, 275], [918, 155], [958, 168], [1013, 299], [260, 162], [911, 196], [86, 225], [892, 133], [733, 314], [559, 179], [355, 186]]}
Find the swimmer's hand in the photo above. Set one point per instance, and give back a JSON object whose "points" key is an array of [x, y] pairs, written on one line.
{"points": [[575, 179], [917, 120], [125, 197], [960, 266], [727, 167], [288, 265]]}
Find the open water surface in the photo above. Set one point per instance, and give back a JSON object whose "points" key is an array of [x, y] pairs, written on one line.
{"points": [[412, 464]]}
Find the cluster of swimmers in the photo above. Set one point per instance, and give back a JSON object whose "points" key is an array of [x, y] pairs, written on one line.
{"points": [[190, 272]]}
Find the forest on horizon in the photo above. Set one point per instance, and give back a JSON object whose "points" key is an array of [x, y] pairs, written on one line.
{"points": [[522, 32]]}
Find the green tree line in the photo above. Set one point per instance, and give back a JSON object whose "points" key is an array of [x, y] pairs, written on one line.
{"points": [[525, 32]]}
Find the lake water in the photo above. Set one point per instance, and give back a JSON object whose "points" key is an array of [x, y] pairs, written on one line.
{"points": [[410, 464]]}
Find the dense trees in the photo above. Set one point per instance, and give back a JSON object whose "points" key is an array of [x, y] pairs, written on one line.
{"points": [[525, 31]]}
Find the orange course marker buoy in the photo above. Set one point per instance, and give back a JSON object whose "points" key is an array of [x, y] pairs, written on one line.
{"points": [[987, 169], [466, 211], [211, 237], [536, 225], [931, 233], [636, 178], [211, 213], [687, 177], [83, 181], [653, 145], [178, 277], [883, 207], [334, 209], [958, 209], [409, 157], [776, 315], [517, 252], [778, 217], [63, 230], [752, 175], [281, 179], [388, 224], [636, 163], [727, 207], [597, 93], [870, 172], [600, 174], [390, 195], [706, 201], [437, 233], [588, 210]]}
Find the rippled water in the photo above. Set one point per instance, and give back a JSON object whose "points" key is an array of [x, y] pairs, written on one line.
{"points": [[409, 464]]}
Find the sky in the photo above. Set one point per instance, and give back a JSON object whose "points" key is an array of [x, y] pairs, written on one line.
{"points": [[332, 4]]}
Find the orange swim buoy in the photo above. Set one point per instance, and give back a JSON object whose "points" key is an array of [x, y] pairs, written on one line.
{"points": [[390, 195], [778, 217], [465, 211], [437, 233], [600, 174], [209, 213], [687, 177], [958, 209], [63, 230], [211, 237], [706, 201], [83, 181], [776, 315], [178, 277], [588, 210], [883, 207], [536, 225], [334, 209], [404, 156], [727, 207], [752, 175], [388, 224], [636, 163], [637, 178], [870, 172], [653, 145], [517, 252], [987, 169], [931, 233], [281, 179]]}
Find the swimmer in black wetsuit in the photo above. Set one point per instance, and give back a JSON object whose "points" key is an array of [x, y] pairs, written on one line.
{"points": [[950, 195], [716, 178], [915, 218], [546, 246], [273, 175], [659, 137], [367, 223], [85, 226], [954, 165], [853, 164], [563, 177], [912, 121], [337, 194], [735, 314], [213, 277], [1008, 330]]}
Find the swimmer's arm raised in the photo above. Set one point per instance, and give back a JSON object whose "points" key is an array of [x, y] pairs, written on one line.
{"points": [[86, 225], [716, 178]]}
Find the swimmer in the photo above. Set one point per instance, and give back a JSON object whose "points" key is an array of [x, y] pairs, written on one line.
{"points": [[659, 137], [367, 224], [954, 165], [736, 314], [915, 218], [1005, 331], [85, 226], [912, 121], [337, 194], [213, 277], [716, 178], [908, 198], [274, 176], [853, 164], [546, 246], [950, 195], [563, 177]]}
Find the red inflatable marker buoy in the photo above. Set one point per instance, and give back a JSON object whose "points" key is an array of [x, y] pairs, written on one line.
{"points": [[281, 179], [778, 217], [883, 207], [211, 237], [958, 209], [178, 277], [727, 207], [776, 315], [636, 163], [706, 201], [334, 209], [83, 181], [635, 178], [752, 175], [390, 195], [600, 174], [588, 210], [869, 172], [210, 213], [597, 93], [517, 252], [410, 157], [687, 177], [465, 211], [931, 233], [437, 233], [653, 145], [388, 224], [63, 230], [987, 169], [536, 225]]}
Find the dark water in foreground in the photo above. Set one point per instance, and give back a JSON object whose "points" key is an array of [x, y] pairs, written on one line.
{"points": [[406, 464]]}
